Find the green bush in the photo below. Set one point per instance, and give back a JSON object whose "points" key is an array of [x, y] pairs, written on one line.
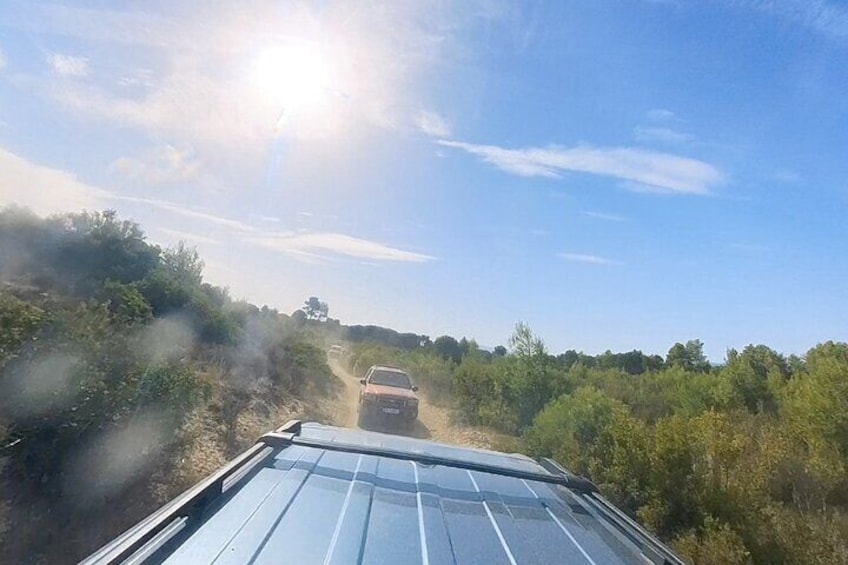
{"points": [[20, 321]]}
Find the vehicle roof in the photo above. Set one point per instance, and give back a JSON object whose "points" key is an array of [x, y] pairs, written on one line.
{"points": [[387, 368], [317, 502]]}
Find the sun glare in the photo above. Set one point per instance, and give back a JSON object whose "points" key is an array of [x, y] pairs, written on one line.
{"points": [[294, 76]]}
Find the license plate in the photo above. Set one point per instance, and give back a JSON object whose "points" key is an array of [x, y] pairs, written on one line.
{"points": [[391, 410]]}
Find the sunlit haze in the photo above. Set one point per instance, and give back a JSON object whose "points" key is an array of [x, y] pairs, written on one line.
{"points": [[617, 174], [294, 76]]}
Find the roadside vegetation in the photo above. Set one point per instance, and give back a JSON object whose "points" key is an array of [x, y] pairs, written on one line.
{"points": [[125, 378]]}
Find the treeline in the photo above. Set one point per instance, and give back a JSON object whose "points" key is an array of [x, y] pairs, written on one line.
{"points": [[107, 337], [689, 355], [746, 462]]}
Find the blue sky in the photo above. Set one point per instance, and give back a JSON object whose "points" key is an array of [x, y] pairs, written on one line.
{"points": [[618, 174]]}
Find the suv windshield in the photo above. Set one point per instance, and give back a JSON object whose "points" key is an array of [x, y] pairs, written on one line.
{"points": [[390, 378]]}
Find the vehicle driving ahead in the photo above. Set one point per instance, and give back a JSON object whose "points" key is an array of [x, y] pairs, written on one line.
{"points": [[309, 493], [387, 396], [336, 352]]}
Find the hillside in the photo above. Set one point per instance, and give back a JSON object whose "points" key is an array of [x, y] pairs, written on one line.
{"points": [[124, 378]]}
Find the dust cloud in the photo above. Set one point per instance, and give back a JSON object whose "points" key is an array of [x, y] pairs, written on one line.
{"points": [[43, 385], [116, 458]]}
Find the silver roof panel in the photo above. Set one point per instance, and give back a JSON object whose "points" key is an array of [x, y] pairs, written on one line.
{"points": [[312, 505]]}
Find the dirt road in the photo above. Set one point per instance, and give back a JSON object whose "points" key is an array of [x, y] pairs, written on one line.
{"points": [[434, 422]]}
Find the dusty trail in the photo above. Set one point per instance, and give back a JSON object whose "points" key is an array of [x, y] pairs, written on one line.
{"points": [[434, 421], [345, 414]]}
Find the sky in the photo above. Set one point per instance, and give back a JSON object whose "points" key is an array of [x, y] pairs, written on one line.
{"points": [[618, 174]]}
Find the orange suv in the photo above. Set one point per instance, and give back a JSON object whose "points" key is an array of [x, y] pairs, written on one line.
{"points": [[388, 394]]}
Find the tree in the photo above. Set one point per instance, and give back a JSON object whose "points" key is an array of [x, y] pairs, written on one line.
{"points": [[755, 374], [568, 358], [448, 348], [525, 343], [95, 246], [690, 356], [315, 309], [125, 301], [499, 350], [184, 263], [530, 375]]}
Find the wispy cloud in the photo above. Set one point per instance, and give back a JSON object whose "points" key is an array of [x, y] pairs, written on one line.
{"points": [[190, 237], [433, 124], [180, 210], [133, 27], [266, 219], [43, 189], [50, 191], [822, 16], [68, 65], [665, 135], [162, 165], [321, 244], [661, 115], [586, 259], [661, 171], [382, 56], [3, 60], [603, 216], [299, 244]]}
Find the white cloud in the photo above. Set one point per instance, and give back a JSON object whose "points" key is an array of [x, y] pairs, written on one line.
{"points": [[317, 245], [661, 115], [302, 245], [202, 96], [433, 124], [3, 60], [663, 135], [180, 210], [133, 27], [162, 165], [522, 162], [603, 216], [43, 189], [51, 191], [68, 65], [662, 171], [587, 259], [264, 218], [189, 237]]}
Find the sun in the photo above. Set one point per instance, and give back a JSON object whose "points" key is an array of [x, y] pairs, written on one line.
{"points": [[294, 75]]}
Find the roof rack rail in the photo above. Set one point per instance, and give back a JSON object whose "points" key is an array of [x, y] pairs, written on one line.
{"points": [[579, 484], [618, 519], [145, 538]]}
